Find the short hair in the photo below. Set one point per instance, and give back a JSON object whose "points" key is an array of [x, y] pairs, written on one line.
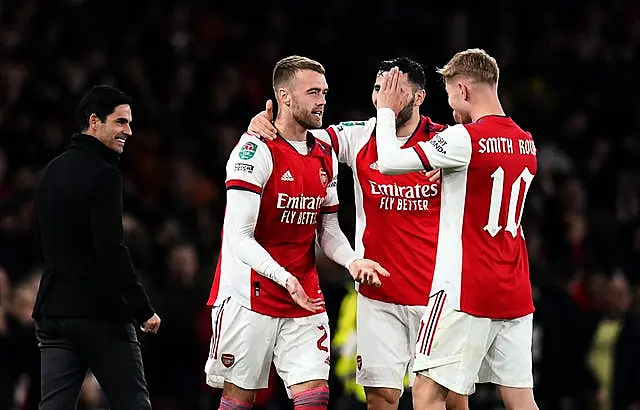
{"points": [[413, 69], [100, 100], [287, 68], [474, 63]]}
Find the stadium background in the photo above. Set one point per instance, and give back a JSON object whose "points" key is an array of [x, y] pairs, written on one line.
{"points": [[199, 70]]}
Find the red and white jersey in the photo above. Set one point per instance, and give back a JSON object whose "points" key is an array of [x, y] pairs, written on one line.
{"points": [[396, 216], [294, 190], [482, 262]]}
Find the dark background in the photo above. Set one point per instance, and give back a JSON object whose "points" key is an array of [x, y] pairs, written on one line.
{"points": [[199, 70]]}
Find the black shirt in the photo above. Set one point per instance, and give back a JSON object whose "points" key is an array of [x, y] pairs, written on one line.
{"points": [[87, 267]]}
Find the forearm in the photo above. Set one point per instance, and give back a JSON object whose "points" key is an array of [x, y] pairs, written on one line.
{"points": [[333, 242], [392, 160], [240, 221]]}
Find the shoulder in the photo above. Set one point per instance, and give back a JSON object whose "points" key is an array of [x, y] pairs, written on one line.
{"points": [[251, 146], [345, 134], [253, 140], [435, 127], [324, 146], [454, 131], [357, 127]]}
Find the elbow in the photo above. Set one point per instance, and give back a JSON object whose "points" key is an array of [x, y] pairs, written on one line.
{"points": [[238, 244]]}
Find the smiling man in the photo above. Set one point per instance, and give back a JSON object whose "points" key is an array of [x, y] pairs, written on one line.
{"points": [[89, 294]]}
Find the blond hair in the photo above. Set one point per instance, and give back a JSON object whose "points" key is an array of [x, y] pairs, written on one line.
{"points": [[286, 69], [474, 63]]}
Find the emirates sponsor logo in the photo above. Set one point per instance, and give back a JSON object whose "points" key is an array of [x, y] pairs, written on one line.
{"points": [[404, 197], [299, 210]]}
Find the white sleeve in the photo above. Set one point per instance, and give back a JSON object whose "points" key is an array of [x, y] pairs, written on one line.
{"points": [[248, 170], [331, 202], [333, 242], [392, 160], [241, 216], [346, 138], [249, 166], [449, 149]]}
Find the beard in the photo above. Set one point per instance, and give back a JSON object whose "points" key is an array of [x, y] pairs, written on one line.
{"points": [[305, 118], [405, 114]]}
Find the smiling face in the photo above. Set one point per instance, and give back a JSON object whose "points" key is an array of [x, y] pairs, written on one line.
{"points": [[306, 95], [115, 129]]}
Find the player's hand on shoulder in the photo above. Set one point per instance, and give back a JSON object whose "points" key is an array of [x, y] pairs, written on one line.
{"points": [[299, 296], [262, 124], [367, 272], [151, 325], [391, 94]]}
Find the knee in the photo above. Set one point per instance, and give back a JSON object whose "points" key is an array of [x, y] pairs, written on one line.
{"points": [[382, 398], [517, 398], [237, 394], [457, 401], [427, 393]]}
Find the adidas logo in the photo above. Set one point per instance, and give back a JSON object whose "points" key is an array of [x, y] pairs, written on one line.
{"points": [[286, 176], [374, 166]]}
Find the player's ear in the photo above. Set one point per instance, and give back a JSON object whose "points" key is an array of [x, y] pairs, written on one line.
{"points": [[419, 97], [464, 91], [284, 97], [94, 121]]}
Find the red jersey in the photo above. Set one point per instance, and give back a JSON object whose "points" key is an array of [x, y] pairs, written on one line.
{"points": [[396, 216], [482, 262], [294, 190]]}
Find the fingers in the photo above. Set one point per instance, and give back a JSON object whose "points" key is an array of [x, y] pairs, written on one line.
{"points": [[312, 305], [370, 278], [262, 126], [269, 109], [382, 271], [304, 301], [384, 82], [149, 328], [266, 129], [152, 325], [394, 74], [433, 175]]}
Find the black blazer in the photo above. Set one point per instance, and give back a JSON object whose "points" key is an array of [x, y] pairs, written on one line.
{"points": [[87, 268]]}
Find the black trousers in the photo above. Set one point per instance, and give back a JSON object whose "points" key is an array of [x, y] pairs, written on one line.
{"points": [[71, 346]]}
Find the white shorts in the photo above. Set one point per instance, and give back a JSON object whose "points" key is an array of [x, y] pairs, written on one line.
{"points": [[386, 335], [457, 350], [244, 343]]}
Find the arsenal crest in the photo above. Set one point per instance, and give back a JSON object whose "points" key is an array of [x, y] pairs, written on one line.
{"points": [[324, 177], [227, 359]]}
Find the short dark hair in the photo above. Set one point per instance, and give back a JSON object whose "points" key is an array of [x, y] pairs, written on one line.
{"points": [[286, 69], [412, 68], [100, 100]]}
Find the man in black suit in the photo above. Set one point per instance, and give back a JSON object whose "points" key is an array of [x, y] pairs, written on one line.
{"points": [[90, 295]]}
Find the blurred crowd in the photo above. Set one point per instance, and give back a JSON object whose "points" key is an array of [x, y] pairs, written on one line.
{"points": [[199, 70]]}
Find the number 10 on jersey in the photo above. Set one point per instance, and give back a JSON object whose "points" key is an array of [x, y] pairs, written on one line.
{"points": [[496, 202]]}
